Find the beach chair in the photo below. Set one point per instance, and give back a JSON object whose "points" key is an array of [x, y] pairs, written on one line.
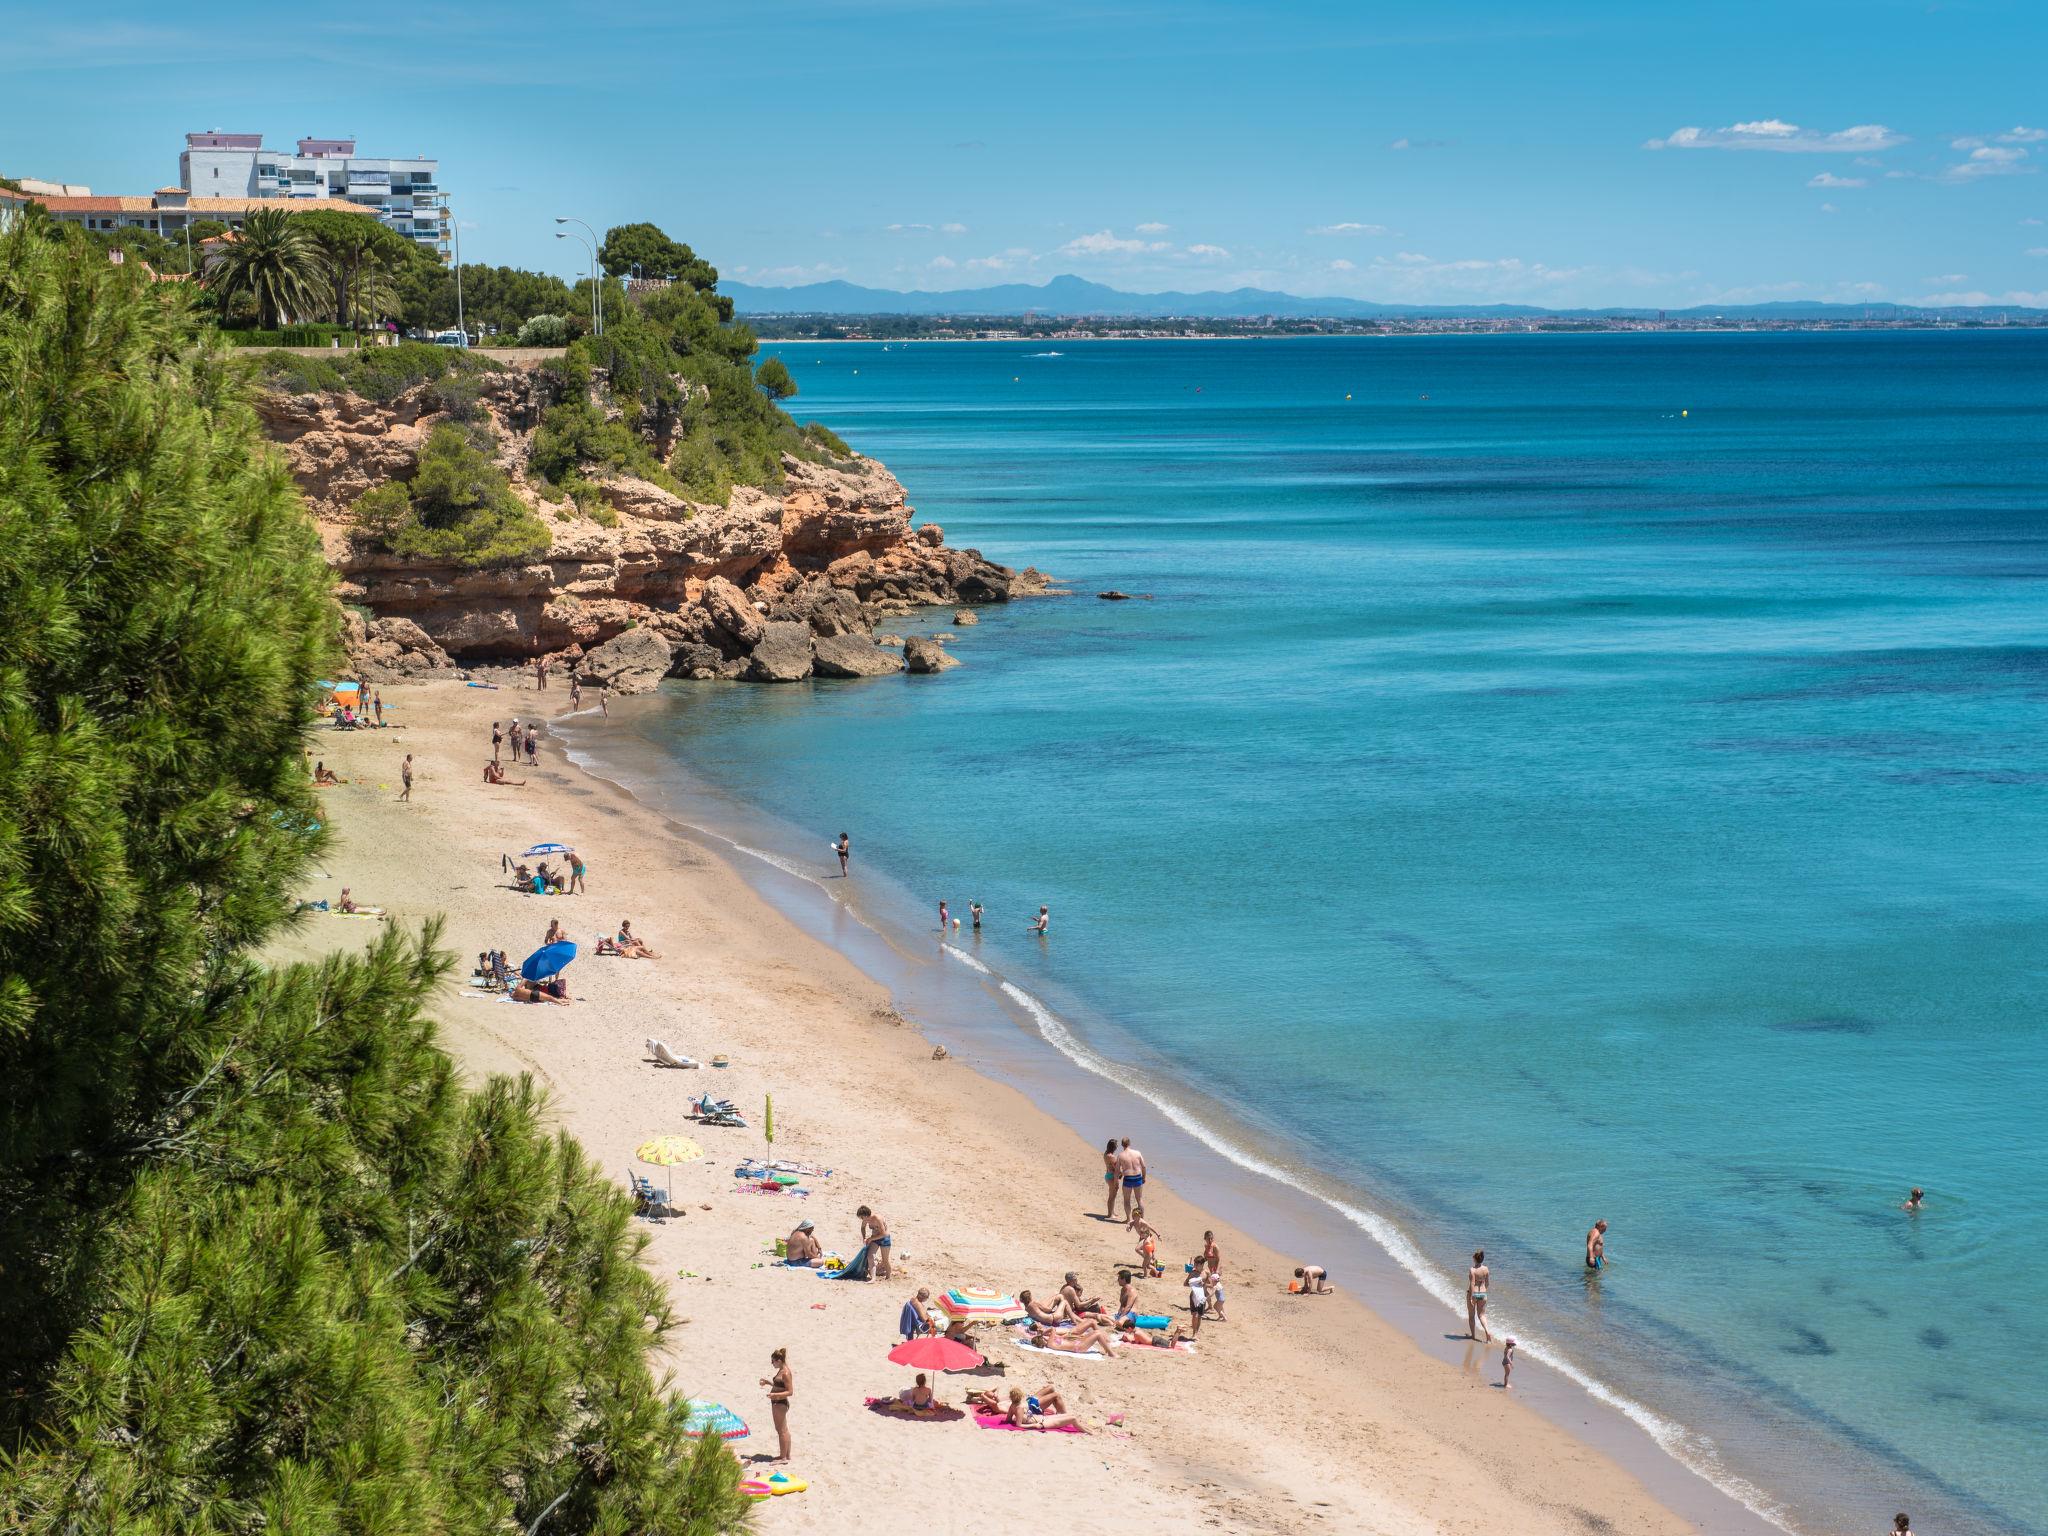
{"points": [[718, 1112], [648, 1201]]}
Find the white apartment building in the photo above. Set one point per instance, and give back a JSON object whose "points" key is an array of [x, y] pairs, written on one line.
{"points": [[405, 194]]}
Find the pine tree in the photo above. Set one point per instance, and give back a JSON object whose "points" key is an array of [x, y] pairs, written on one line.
{"points": [[262, 1260]]}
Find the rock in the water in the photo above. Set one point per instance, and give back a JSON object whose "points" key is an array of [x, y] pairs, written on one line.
{"points": [[922, 653], [984, 583], [966, 616], [731, 611], [852, 656], [631, 662], [783, 654]]}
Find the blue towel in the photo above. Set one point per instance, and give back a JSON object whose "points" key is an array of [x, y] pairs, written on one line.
{"points": [[856, 1269]]}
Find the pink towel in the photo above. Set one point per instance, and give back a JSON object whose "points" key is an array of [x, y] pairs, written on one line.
{"points": [[998, 1421]]}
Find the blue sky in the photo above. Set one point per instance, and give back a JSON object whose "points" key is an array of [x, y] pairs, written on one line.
{"points": [[1563, 154]]}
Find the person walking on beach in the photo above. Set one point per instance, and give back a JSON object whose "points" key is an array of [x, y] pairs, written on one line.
{"points": [[405, 777], [1131, 1165], [1596, 1245], [874, 1231], [781, 1392], [1112, 1176], [844, 848], [575, 691], [575, 873], [604, 699], [1044, 921], [497, 741], [1476, 1279]]}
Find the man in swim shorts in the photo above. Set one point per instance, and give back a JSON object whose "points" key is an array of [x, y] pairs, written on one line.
{"points": [[874, 1231], [1131, 1164], [1596, 1245]]}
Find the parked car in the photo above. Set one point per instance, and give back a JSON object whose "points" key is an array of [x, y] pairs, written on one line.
{"points": [[449, 339]]}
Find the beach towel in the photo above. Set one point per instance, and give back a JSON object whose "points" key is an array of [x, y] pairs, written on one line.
{"points": [[1063, 1354], [664, 1057], [896, 1408], [998, 1421], [856, 1269]]}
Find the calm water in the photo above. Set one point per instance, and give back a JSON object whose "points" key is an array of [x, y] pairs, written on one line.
{"points": [[1543, 803]]}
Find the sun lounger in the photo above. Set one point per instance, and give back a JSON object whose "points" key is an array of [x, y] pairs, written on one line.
{"points": [[648, 1201]]}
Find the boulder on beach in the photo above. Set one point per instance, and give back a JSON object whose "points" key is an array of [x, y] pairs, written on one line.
{"points": [[630, 662], [852, 656], [783, 654]]}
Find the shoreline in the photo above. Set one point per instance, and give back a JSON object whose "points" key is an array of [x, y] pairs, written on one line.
{"points": [[1335, 1377]]}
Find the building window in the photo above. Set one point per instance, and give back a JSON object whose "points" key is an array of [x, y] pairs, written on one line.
{"points": [[422, 175], [216, 173]]}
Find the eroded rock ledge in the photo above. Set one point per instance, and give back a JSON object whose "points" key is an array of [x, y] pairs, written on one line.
{"points": [[775, 587]]}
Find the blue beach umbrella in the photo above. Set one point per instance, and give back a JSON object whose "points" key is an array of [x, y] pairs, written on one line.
{"points": [[540, 848], [548, 960]]}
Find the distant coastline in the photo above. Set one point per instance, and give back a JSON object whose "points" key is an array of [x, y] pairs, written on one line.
{"points": [[790, 329]]}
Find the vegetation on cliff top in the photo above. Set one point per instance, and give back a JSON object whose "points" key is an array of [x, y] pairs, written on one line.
{"points": [[266, 1263], [459, 506]]}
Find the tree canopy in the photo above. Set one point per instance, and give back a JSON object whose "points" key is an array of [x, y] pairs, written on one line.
{"points": [[643, 246], [266, 1263], [275, 260]]}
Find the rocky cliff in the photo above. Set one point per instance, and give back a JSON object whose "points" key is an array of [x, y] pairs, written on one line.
{"points": [[775, 586]]}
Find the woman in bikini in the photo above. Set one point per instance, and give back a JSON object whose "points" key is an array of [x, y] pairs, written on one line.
{"points": [[1476, 1279], [1044, 1316], [1022, 1415], [1076, 1341], [781, 1390], [1112, 1175]]}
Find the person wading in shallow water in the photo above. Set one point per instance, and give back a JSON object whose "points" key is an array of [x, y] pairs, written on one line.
{"points": [[1476, 1280], [844, 848]]}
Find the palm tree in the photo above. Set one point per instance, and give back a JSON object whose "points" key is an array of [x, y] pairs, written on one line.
{"points": [[279, 266]]}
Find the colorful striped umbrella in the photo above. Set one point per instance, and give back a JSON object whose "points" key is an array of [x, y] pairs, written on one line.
{"points": [[979, 1304], [713, 1419]]}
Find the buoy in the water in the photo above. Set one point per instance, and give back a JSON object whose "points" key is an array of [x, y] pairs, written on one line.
{"points": [[1347, 397], [1685, 413]]}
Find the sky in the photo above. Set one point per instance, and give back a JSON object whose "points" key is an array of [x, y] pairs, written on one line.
{"points": [[1562, 154]]}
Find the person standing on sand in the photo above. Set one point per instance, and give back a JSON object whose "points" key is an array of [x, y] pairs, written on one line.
{"points": [[532, 745], [1131, 1164], [378, 699], [540, 674], [575, 873], [1112, 1176], [497, 741], [1596, 1245], [781, 1392], [874, 1231], [844, 848], [604, 700], [405, 777], [1476, 1279], [1507, 1364], [575, 691]]}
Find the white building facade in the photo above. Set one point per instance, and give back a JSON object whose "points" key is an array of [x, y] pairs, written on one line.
{"points": [[405, 194]]}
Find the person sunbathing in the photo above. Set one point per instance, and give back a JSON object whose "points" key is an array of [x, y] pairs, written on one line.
{"points": [[494, 773], [626, 945], [1044, 1316], [803, 1246], [1076, 1341], [323, 775], [920, 1398], [522, 877], [1070, 1293], [1158, 1338], [553, 990], [1020, 1413], [346, 902]]}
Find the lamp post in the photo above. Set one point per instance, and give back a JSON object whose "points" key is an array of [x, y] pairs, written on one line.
{"points": [[596, 288], [455, 229], [563, 234]]}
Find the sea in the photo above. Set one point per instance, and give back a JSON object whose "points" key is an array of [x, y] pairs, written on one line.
{"points": [[1536, 778]]}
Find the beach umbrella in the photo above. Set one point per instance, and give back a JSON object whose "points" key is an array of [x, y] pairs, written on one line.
{"points": [[935, 1354], [540, 848], [548, 960], [978, 1304], [667, 1151], [768, 1118], [707, 1418]]}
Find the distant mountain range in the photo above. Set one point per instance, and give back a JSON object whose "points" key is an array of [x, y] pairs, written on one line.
{"points": [[1077, 296]]}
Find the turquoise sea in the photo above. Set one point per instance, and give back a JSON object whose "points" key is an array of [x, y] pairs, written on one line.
{"points": [[1553, 778]]}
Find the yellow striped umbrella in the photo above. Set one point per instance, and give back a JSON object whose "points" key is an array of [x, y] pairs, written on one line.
{"points": [[665, 1151]]}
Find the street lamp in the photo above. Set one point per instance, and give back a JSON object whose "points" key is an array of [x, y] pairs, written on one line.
{"points": [[456, 230], [563, 234], [596, 289]]}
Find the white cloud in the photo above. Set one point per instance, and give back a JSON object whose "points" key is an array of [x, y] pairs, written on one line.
{"points": [[2023, 136], [1830, 179], [942, 263], [2017, 297], [2030, 223], [1771, 133], [1153, 227], [1990, 160], [811, 274], [1209, 252], [1002, 261], [1972, 142], [1349, 227], [1829, 208], [1947, 279], [1412, 276], [1420, 144], [1104, 243], [1341, 265], [952, 229], [1411, 258], [2037, 250], [909, 229]]}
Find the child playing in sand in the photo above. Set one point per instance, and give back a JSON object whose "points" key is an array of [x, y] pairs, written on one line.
{"points": [[1198, 1295], [1148, 1244], [1311, 1280]]}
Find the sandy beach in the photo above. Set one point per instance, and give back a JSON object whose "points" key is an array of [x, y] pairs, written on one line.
{"points": [[1291, 1415]]}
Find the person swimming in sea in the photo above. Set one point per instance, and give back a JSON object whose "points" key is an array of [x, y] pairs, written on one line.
{"points": [[1596, 1245], [1915, 1201]]}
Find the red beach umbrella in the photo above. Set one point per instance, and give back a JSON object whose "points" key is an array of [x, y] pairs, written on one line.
{"points": [[935, 1354]]}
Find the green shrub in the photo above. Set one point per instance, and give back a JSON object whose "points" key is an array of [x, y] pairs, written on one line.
{"points": [[290, 373], [380, 515], [545, 331]]}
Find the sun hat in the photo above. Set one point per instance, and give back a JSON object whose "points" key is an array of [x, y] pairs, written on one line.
{"points": [[805, 1225]]}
